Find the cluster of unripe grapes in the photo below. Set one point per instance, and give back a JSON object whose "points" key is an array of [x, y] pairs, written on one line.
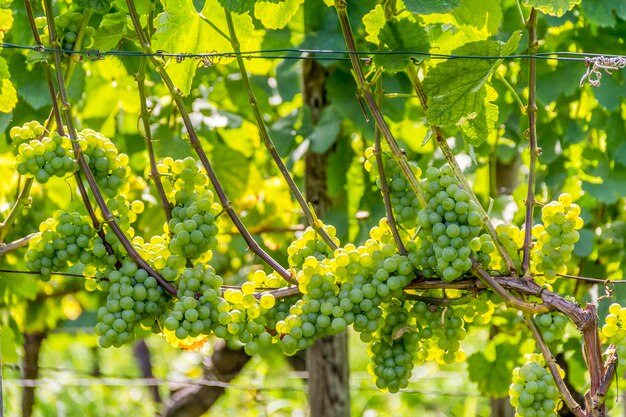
{"points": [[404, 202], [447, 226], [552, 326], [63, 240], [108, 166], [133, 298], [41, 156], [533, 391], [556, 238], [614, 328], [67, 26]]}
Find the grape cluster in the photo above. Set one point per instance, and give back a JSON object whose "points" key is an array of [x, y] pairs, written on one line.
{"points": [[41, 158], [512, 239], [181, 177], [67, 26], [392, 353], [556, 238], [440, 331], [108, 166], [552, 326], [193, 225], [63, 239], [614, 329], [133, 298], [480, 309], [195, 313], [533, 391], [310, 243], [404, 201], [447, 225]]}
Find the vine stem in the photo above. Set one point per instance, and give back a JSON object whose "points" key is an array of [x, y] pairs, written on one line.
{"points": [[532, 132], [447, 152], [16, 244], [311, 217], [364, 91], [384, 187], [106, 213], [145, 119], [195, 143], [554, 370]]}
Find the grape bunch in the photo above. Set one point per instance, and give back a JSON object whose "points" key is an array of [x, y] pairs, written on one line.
{"points": [[134, 298], [193, 225], [614, 329], [533, 391], [447, 226], [181, 178], [310, 243], [41, 159], [392, 352], [556, 238], [480, 309], [512, 239], [440, 330], [67, 26], [195, 312], [404, 201], [63, 239], [552, 326], [108, 166]]}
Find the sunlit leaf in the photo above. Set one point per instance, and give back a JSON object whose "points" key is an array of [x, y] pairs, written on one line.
{"points": [[431, 6], [402, 34], [276, 15], [98, 6], [552, 7]]}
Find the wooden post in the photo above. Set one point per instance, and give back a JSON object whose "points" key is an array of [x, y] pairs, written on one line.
{"points": [[327, 360]]}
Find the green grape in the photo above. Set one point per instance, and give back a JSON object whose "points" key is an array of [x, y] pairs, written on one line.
{"points": [[310, 244], [195, 313], [41, 156], [62, 240], [181, 178], [614, 329], [133, 298], [193, 225], [392, 350], [404, 201], [533, 390], [555, 238], [552, 326], [449, 224], [108, 166], [440, 332]]}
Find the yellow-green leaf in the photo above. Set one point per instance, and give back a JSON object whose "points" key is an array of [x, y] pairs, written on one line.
{"points": [[276, 15]]}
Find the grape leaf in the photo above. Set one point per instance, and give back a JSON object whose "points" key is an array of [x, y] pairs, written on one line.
{"points": [[110, 31], [276, 15], [98, 6], [600, 12], [326, 131], [374, 21], [455, 87], [238, 6], [431, 6], [181, 30], [232, 170], [493, 377], [552, 7], [478, 19], [402, 34], [609, 190], [477, 127]]}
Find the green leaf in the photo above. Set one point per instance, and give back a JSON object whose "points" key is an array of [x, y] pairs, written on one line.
{"points": [[98, 6], [455, 87], [181, 30], [431, 6], [610, 190], [276, 15], [402, 34], [326, 131], [584, 247], [374, 21], [552, 7], [493, 376], [232, 169], [238, 6], [110, 31], [478, 126], [478, 19]]}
